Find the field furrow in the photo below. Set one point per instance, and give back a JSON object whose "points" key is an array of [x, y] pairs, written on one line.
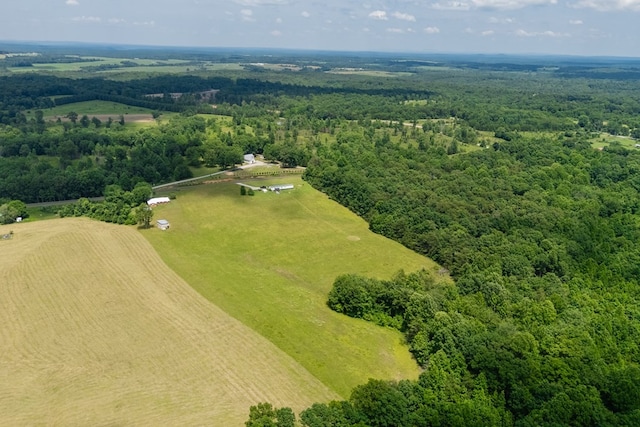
{"points": [[97, 330]]}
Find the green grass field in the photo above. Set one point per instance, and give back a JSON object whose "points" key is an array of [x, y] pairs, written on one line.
{"points": [[92, 108], [269, 260], [371, 73], [150, 66], [605, 139], [97, 330], [94, 61]]}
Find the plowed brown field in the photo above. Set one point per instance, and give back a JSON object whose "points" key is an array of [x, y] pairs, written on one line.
{"points": [[96, 330]]}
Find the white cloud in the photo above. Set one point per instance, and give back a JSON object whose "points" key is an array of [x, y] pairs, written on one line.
{"points": [[510, 4], [404, 16], [116, 21], [72, 2], [89, 19], [608, 5], [247, 15], [432, 30], [395, 30], [276, 33], [575, 22], [451, 5], [254, 3], [494, 20], [487, 32], [278, 20], [145, 23], [495, 4], [305, 14], [548, 33], [380, 15]]}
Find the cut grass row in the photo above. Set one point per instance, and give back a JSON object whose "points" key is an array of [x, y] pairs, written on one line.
{"points": [[97, 330], [270, 260]]}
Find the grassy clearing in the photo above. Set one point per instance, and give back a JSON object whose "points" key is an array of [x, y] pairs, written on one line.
{"points": [[203, 171], [91, 108], [97, 330], [39, 214], [605, 139], [371, 73], [270, 260], [145, 66], [95, 61]]}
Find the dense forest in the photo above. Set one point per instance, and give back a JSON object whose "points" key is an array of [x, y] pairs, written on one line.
{"points": [[492, 171], [541, 237]]}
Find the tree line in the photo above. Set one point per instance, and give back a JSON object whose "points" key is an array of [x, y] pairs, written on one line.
{"points": [[492, 175], [543, 324]]}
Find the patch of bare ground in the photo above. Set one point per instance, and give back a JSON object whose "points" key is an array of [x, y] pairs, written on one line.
{"points": [[97, 330]]}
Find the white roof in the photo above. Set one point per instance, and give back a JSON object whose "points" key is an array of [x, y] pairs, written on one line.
{"points": [[163, 222], [281, 187], [157, 200]]}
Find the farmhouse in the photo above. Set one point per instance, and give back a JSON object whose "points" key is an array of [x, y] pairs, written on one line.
{"points": [[163, 224], [157, 200]]}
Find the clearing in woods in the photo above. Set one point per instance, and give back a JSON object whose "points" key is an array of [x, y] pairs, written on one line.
{"points": [[99, 109], [270, 260], [97, 330]]}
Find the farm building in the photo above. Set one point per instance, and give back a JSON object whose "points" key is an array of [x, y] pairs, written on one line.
{"points": [[157, 201], [249, 158], [281, 187], [163, 224]]}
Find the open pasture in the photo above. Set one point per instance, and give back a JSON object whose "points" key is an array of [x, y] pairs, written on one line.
{"points": [[606, 139], [97, 330], [100, 109], [126, 67], [270, 260], [89, 63], [96, 107]]}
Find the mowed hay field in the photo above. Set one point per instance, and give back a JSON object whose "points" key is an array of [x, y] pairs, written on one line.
{"points": [[97, 330], [270, 260], [99, 109]]}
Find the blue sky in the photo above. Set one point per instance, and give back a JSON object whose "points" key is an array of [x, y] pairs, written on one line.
{"points": [[575, 27]]}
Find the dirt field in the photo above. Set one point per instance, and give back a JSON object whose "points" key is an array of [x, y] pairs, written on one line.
{"points": [[96, 330]]}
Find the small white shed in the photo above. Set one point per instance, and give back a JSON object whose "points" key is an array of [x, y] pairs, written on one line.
{"points": [[163, 224]]}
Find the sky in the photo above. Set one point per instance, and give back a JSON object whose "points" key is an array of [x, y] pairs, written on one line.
{"points": [[565, 27]]}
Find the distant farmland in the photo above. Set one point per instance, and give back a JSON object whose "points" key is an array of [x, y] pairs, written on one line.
{"points": [[100, 109], [96, 330], [270, 261]]}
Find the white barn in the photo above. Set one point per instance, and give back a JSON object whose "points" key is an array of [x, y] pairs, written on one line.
{"points": [[158, 200]]}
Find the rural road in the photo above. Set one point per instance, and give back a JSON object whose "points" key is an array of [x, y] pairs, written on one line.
{"points": [[155, 187]]}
